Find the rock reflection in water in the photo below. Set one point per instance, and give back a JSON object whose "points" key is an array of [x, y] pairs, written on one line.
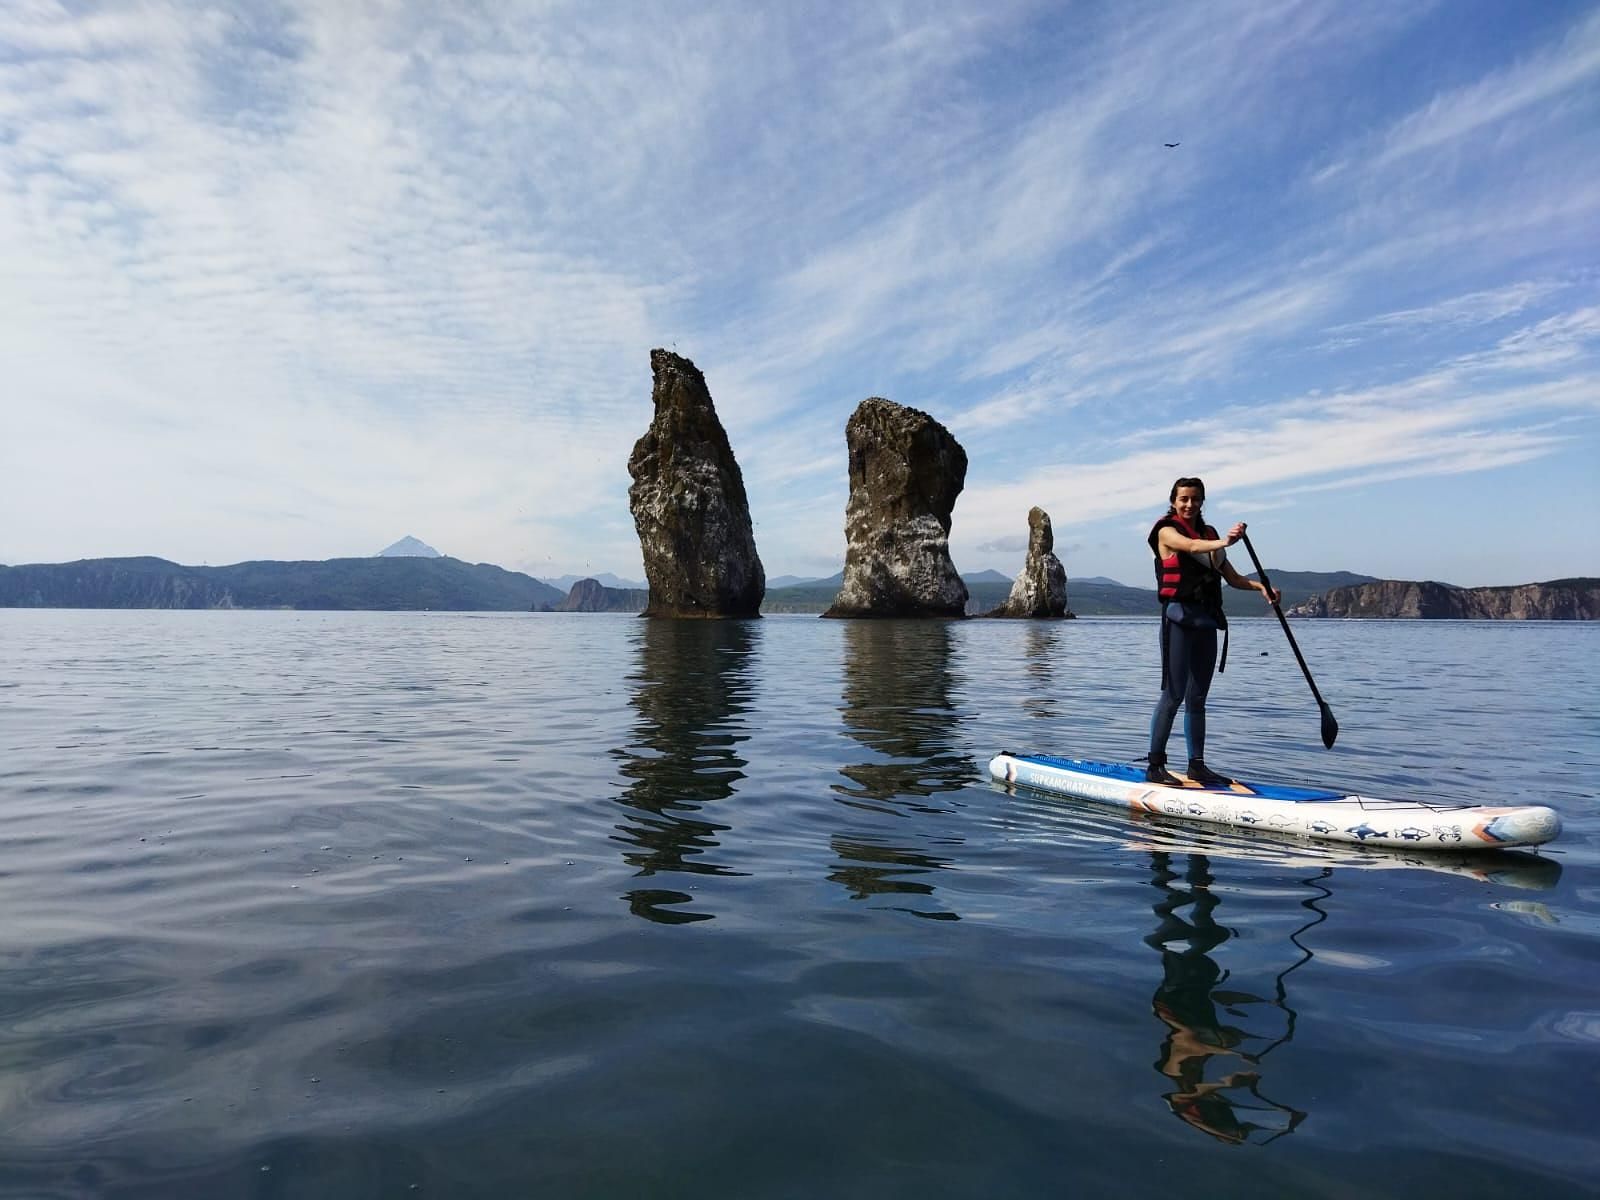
{"points": [[692, 685], [1191, 1002], [900, 701], [870, 868], [1040, 647]]}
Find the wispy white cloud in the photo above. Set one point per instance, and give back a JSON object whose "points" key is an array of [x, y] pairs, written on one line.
{"points": [[1454, 312], [1568, 337], [1473, 414], [1574, 62]]}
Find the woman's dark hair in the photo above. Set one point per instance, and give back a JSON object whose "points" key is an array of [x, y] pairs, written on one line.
{"points": [[1185, 481]]}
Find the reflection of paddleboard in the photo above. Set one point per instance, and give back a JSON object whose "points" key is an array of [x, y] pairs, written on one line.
{"points": [[1508, 868], [1275, 808], [1522, 869]]}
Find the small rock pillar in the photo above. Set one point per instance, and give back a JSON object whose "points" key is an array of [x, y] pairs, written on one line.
{"points": [[1040, 591]]}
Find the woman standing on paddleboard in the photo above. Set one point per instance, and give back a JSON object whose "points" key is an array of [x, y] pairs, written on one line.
{"points": [[1191, 563]]}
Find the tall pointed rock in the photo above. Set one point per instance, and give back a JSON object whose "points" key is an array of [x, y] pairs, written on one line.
{"points": [[906, 471], [689, 505], [1041, 588]]}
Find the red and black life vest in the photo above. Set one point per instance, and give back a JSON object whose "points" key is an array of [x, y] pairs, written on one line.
{"points": [[1184, 577]]}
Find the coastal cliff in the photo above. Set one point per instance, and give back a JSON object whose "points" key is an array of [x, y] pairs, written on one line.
{"points": [[1557, 600]]}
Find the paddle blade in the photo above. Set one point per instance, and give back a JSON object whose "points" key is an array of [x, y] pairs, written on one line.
{"points": [[1330, 727]]}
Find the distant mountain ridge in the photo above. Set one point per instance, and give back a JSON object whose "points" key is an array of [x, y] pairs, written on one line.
{"points": [[376, 583], [1095, 596], [411, 582]]}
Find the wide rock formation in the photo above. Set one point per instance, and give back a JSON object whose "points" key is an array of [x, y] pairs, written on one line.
{"points": [[906, 471], [689, 505], [1040, 591], [1558, 600], [592, 596]]}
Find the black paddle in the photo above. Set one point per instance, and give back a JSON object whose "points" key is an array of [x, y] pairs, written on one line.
{"points": [[1330, 727]]}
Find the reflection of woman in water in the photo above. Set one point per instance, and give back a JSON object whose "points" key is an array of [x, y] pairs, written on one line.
{"points": [[1186, 1003]]}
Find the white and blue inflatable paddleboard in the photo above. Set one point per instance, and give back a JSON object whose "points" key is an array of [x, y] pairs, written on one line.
{"points": [[1331, 816]]}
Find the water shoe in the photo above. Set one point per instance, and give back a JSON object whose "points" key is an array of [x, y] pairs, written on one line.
{"points": [[1205, 776], [1157, 772]]}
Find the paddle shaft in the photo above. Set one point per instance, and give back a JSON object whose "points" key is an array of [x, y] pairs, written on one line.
{"points": [[1261, 573]]}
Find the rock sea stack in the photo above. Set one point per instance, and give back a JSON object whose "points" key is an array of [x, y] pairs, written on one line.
{"points": [[689, 505], [1040, 591], [906, 471]]}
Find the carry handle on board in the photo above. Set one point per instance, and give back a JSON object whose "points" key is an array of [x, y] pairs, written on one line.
{"points": [[1330, 727]]}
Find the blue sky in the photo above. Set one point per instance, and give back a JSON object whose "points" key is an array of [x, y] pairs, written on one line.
{"points": [[292, 280]]}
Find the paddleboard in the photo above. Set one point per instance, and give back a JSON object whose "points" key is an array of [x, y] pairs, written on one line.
{"points": [[1322, 814]]}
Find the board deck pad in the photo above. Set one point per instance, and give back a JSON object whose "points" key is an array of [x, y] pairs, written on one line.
{"points": [[1129, 773]]}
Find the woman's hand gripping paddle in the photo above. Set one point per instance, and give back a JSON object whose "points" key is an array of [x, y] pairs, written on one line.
{"points": [[1330, 727]]}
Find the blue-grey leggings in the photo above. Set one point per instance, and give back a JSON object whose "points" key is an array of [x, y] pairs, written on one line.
{"points": [[1188, 658]]}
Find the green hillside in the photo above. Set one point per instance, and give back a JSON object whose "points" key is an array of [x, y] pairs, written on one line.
{"points": [[446, 584]]}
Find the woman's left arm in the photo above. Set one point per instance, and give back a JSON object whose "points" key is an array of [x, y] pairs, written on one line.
{"points": [[1244, 584]]}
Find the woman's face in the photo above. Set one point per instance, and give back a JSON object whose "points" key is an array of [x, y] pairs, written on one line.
{"points": [[1187, 503]]}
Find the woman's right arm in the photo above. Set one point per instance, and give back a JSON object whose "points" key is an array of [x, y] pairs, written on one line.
{"points": [[1172, 541]]}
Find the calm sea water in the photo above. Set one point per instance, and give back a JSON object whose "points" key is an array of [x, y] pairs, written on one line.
{"points": [[356, 904]]}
